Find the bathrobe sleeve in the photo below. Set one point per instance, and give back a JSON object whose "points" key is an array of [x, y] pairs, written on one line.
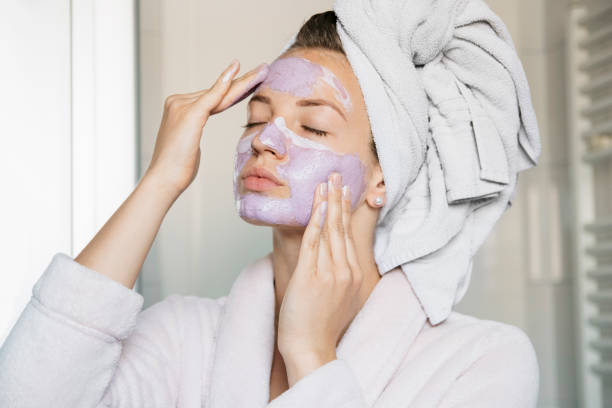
{"points": [[70, 346], [332, 385], [506, 375]]}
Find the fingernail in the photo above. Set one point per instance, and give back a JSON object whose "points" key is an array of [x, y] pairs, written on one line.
{"points": [[322, 211], [262, 72], [232, 68], [323, 189], [345, 191], [336, 179]]}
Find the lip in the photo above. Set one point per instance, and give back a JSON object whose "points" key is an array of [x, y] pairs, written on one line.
{"points": [[263, 173]]}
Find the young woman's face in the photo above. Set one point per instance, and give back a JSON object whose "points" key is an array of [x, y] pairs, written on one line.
{"points": [[305, 121]]}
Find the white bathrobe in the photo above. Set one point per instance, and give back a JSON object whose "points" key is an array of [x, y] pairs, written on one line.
{"points": [[83, 341]]}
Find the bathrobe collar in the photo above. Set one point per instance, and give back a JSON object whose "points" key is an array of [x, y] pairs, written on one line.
{"points": [[373, 345]]}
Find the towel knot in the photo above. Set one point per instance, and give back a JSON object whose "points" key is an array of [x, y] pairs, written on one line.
{"points": [[434, 30]]}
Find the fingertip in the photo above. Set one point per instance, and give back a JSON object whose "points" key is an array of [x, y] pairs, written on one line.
{"points": [[346, 199], [262, 70], [322, 193], [346, 192], [211, 99], [231, 70], [259, 73]]}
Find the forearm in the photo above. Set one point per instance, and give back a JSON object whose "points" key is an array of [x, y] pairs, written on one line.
{"points": [[119, 249]]}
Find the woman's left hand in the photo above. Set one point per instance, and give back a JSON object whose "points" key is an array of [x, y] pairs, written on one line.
{"points": [[322, 296]]}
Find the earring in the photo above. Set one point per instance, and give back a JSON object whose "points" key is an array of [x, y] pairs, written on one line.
{"points": [[378, 200]]}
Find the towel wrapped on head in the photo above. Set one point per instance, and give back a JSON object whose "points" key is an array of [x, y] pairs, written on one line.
{"points": [[452, 119]]}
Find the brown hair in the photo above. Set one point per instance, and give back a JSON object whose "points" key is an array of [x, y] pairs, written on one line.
{"points": [[320, 32]]}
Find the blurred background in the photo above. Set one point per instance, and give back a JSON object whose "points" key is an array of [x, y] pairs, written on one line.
{"points": [[83, 85]]}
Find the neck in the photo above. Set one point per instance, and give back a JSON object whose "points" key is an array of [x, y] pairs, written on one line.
{"points": [[286, 248]]}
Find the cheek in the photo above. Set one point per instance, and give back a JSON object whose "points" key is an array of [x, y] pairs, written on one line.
{"points": [[241, 156], [308, 164], [307, 168]]}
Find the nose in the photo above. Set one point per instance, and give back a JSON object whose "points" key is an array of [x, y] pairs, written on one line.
{"points": [[271, 138]]}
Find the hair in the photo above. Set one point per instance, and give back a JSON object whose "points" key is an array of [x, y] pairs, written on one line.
{"points": [[320, 32]]}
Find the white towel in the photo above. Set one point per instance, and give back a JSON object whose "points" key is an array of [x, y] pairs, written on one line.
{"points": [[453, 122]]}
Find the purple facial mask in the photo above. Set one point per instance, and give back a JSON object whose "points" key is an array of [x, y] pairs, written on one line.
{"points": [[306, 165], [299, 77]]}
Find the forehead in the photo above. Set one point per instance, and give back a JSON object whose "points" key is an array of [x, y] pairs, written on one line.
{"points": [[296, 75], [301, 74]]}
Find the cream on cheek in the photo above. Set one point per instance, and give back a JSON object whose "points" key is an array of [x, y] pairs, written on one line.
{"points": [[307, 163]]}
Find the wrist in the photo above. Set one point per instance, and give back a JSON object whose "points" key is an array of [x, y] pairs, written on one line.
{"points": [[299, 365], [160, 189]]}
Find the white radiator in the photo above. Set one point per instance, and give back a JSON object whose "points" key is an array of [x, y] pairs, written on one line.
{"points": [[590, 65]]}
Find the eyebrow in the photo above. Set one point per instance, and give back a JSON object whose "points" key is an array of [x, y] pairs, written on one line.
{"points": [[302, 103]]}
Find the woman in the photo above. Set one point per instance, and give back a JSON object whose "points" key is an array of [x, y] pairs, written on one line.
{"points": [[313, 323]]}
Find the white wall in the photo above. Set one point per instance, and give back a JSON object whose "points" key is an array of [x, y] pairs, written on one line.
{"points": [[67, 117]]}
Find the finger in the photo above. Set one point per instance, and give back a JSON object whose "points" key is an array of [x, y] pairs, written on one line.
{"points": [[324, 262], [240, 88], [236, 85], [309, 248], [243, 87], [335, 225], [192, 96], [351, 253], [210, 99]]}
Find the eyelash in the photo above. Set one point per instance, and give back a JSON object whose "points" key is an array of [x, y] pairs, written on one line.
{"points": [[318, 132]]}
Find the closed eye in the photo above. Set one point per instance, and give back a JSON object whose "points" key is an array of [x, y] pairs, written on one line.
{"points": [[307, 128], [249, 125], [316, 131]]}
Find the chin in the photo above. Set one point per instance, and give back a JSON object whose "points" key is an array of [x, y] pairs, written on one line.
{"points": [[262, 223], [272, 211], [257, 222]]}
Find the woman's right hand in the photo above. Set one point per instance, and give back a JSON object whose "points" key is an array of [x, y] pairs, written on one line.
{"points": [[176, 156]]}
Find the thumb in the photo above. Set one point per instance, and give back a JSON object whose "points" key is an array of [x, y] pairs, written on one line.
{"points": [[209, 100]]}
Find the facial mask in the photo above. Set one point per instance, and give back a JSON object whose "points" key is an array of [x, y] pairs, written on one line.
{"points": [[299, 77], [307, 164]]}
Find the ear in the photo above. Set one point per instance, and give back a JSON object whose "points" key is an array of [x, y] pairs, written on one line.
{"points": [[376, 189]]}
